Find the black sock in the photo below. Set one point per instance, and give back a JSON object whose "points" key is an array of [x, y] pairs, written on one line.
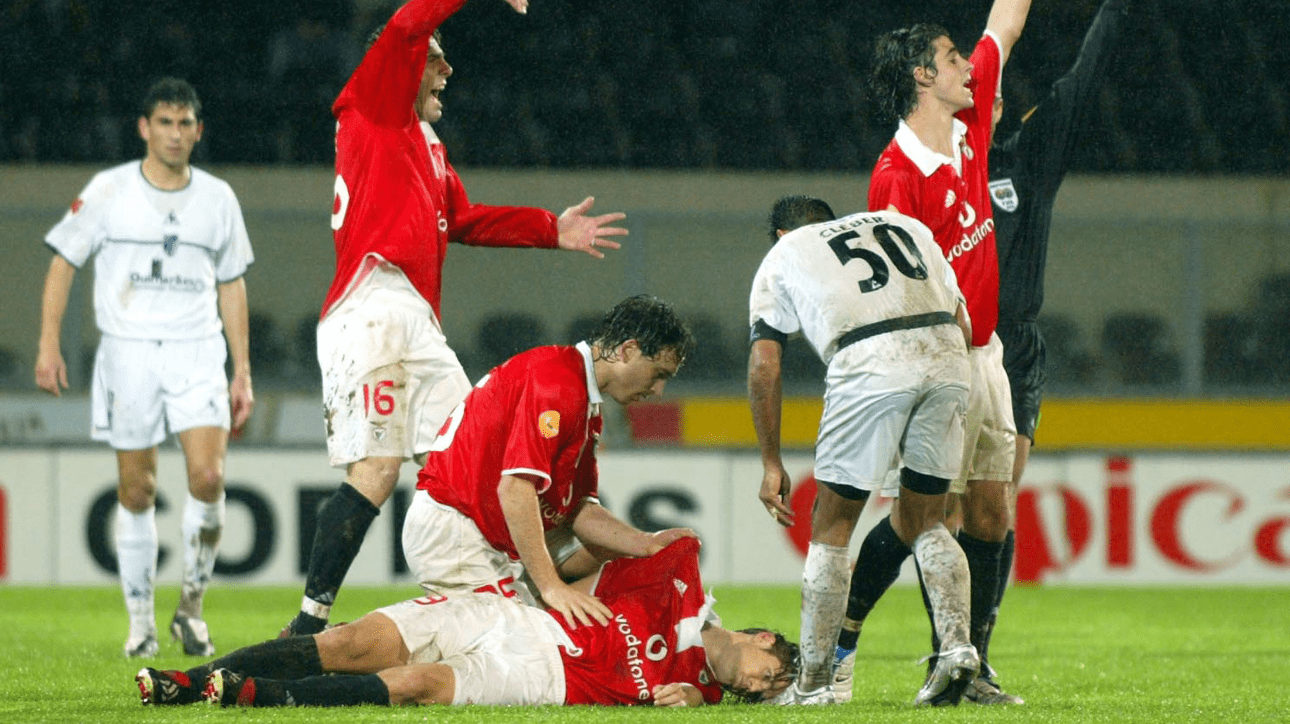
{"points": [[983, 565], [1005, 572], [877, 567], [289, 658], [343, 521], [337, 690]]}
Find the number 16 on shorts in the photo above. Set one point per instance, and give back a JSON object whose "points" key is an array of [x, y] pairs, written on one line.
{"points": [[377, 398]]}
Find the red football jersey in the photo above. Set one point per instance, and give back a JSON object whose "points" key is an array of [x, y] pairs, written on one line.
{"points": [[530, 416], [396, 195], [955, 206], [653, 639]]}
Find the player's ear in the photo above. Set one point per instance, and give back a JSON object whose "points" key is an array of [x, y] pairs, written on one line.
{"points": [[629, 350], [143, 127]]}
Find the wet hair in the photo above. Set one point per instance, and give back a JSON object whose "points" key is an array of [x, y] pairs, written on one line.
{"points": [[650, 321], [789, 656], [173, 91], [897, 53], [792, 212], [372, 36]]}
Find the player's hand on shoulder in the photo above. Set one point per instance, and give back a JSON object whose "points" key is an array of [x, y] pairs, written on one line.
{"points": [[576, 607], [664, 538], [51, 372], [677, 694]]}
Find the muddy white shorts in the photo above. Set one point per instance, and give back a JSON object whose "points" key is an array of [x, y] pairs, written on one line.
{"points": [[389, 377], [447, 554], [142, 386], [872, 411], [990, 445], [503, 652]]}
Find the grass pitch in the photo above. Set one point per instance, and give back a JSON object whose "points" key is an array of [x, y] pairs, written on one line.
{"points": [[1075, 654]]}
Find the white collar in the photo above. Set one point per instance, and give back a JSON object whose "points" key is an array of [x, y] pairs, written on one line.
{"points": [[593, 390], [431, 137], [925, 158]]}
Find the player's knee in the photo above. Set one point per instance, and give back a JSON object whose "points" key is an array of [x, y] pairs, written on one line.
{"points": [[420, 684], [923, 483], [205, 482], [375, 477]]}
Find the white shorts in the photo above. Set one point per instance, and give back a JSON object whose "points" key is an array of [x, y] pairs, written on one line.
{"points": [[503, 653], [142, 386], [389, 377], [990, 446], [447, 554], [876, 412]]}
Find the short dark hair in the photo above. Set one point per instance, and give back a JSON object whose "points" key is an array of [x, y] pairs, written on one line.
{"points": [[650, 321], [896, 54], [174, 91], [789, 655], [792, 212]]}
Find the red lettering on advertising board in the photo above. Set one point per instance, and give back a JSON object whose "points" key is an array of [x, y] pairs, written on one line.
{"points": [[1268, 536], [1166, 523], [1119, 512], [1035, 551]]}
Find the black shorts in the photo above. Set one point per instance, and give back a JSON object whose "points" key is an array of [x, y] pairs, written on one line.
{"points": [[1024, 356]]}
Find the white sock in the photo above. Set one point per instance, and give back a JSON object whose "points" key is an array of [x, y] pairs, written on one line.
{"points": [[201, 528], [945, 576], [826, 579], [136, 555]]}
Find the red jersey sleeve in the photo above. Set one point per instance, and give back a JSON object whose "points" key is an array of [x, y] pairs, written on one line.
{"points": [[384, 86], [986, 75], [482, 225], [547, 421], [890, 185]]}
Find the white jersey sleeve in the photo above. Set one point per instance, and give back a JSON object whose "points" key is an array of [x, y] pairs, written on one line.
{"points": [[235, 255], [83, 228]]}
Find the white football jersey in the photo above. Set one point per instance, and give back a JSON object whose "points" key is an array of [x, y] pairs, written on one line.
{"points": [[830, 278], [158, 255]]}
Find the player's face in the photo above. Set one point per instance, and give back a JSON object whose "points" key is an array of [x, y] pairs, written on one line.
{"points": [[433, 80], [637, 377], [757, 670], [953, 72], [170, 133]]}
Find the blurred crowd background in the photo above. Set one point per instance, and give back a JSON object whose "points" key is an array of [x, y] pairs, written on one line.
{"points": [[1199, 88]]}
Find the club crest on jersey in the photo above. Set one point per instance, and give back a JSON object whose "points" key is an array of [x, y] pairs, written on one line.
{"points": [[950, 198], [1004, 194], [169, 242], [549, 424]]}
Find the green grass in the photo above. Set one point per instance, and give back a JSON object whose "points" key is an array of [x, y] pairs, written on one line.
{"points": [[1075, 654]]}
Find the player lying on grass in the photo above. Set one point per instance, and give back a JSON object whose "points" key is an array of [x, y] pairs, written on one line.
{"points": [[663, 646]]}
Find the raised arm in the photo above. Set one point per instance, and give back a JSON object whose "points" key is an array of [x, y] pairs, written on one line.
{"points": [[1007, 18], [51, 370], [232, 310]]}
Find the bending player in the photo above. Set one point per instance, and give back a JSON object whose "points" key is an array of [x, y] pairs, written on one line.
{"points": [[389, 376], [665, 647]]}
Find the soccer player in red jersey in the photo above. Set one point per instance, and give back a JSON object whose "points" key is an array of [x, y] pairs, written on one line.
{"points": [[664, 647], [389, 376], [936, 170]]}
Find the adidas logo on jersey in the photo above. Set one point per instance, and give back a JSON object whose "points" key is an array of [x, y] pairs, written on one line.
{"points": [[950, 198], [680, 586]]}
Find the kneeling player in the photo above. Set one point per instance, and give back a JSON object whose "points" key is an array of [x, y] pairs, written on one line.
{"points": [[664, 646]]}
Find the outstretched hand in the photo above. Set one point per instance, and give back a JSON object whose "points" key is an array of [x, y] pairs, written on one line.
{"points": [[579, 232]]}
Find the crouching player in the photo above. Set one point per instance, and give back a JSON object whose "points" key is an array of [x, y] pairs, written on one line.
{"points": [[664, 646]]}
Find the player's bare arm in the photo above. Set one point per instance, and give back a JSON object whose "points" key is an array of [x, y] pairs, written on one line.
{"points": [[765, 398], [232, 310], [51, 369], [610, 537], [579, 232], [520, 6], [677, 694], [1007, 18], [519, 501]]}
